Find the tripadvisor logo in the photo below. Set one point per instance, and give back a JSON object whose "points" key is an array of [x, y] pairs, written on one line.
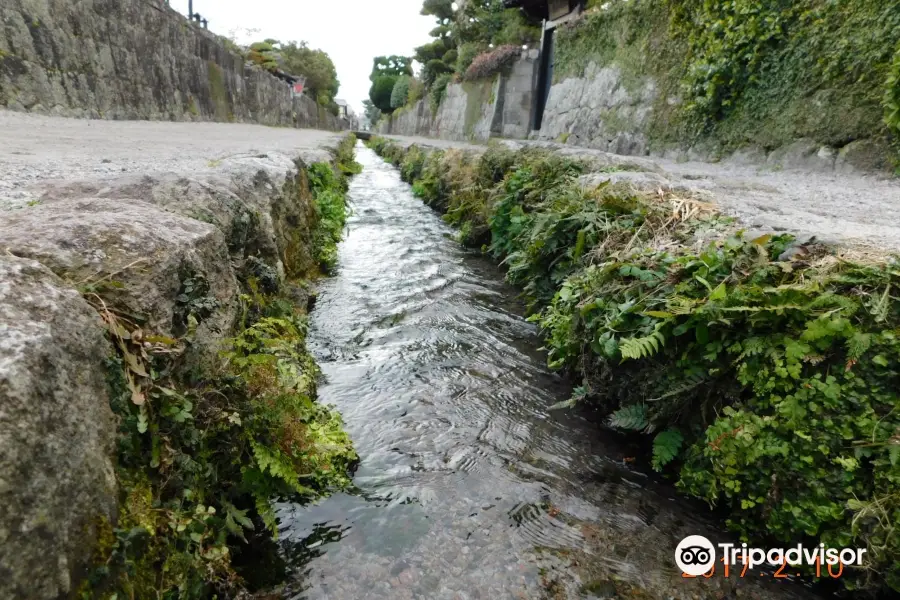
{"points": [[696, 556]]}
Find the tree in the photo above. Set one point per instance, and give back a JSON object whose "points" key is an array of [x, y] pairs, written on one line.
{"points": [[391, 65], [442, 9], [433, 51], [400, 92], [316, 66], [297, 58], [372, 112], [381, 91]]}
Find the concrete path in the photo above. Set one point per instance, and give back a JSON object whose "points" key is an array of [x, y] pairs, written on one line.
{"points": [[36, 151], [856, 210]]}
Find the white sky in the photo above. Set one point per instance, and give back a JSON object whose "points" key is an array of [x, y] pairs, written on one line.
{"points": [[352, 32]]}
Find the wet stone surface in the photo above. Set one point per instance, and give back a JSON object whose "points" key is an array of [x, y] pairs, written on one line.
{"points": [[469, 487]]}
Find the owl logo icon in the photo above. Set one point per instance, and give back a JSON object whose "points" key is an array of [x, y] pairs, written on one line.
{"points": [[695, 555]]}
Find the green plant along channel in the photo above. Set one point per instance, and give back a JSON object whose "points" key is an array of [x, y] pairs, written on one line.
{"points": [[204, 449], [765, 374]]}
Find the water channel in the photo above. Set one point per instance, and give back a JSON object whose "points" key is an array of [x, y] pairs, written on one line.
{"points": [[469, 487]]}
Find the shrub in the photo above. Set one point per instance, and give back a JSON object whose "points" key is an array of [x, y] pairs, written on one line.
{"points": [[416, 91], [400, 92], [263, 54], [381, 91], [766, 374], [465, 54], [490, 63], [438, 89]]}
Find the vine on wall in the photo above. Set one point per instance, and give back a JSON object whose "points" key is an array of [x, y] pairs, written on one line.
{"points": [[747, 71]]}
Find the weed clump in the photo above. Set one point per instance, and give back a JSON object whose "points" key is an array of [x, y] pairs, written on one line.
{"points": [[202, 454], [763, 372]]}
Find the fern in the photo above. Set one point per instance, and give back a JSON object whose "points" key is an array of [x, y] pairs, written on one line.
{"points": [[642, 347], [632, 418], [691, 382], [268, 461], [880, 309], [858, 344], [682, 305], [578, 395], [666, 446], [752, 346]]}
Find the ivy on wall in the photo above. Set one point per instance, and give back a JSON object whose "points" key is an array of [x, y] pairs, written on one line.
{"points": [[765, 72]]}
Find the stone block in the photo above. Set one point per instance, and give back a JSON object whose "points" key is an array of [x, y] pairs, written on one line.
{"points": [[57, 432]]}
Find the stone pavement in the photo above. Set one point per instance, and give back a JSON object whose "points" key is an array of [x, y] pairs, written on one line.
{"points": [[848, 209]]}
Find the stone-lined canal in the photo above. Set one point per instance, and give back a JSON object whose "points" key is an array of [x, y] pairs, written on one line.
{"points": [[469, 487]]}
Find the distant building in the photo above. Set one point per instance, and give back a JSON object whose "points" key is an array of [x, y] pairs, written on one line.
{"points": [[343, 108], [548, 10], [346, 112]]}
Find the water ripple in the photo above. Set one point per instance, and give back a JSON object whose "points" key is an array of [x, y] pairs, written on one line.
{"points": [[467, 485]]}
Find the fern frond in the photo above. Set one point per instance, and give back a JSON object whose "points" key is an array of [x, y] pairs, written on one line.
{"points": [[693, 381], [858, 344], [880, 309], [751, 347], [642, 347], [666, 447], [681, 305], [632, 417]]}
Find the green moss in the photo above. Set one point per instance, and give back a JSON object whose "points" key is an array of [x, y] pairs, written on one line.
{"points": [[746, 72], [202, 451], [477, 95], [221, 100]]}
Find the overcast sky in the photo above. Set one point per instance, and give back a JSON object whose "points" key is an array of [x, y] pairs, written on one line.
{"points": [[352, 32]]}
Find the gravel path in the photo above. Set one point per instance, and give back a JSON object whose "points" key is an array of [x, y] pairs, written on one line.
{"points": [[37, 150], [846, 209]]}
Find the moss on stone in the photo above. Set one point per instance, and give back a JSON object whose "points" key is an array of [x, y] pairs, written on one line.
{"points": [[221, 100], [477, 94], [203, 450], [798, 70]]}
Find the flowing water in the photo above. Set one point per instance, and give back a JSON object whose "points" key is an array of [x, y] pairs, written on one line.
{"points": [[469, 487]]}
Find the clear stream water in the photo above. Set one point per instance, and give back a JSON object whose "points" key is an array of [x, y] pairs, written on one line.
{"points": [[469, 487]]}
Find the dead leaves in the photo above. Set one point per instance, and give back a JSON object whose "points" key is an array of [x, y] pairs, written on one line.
{"points": [[135, 348]]}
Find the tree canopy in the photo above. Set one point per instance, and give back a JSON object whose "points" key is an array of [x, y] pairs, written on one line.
{"points": [[315, 65], [461, 33], [468, 31], [381, 91], [391, 65], [297, 58]]}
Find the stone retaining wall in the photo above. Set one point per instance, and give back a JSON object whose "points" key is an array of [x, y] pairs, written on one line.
{"points": [[475, 110], [149, 234], [135, 59]]}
